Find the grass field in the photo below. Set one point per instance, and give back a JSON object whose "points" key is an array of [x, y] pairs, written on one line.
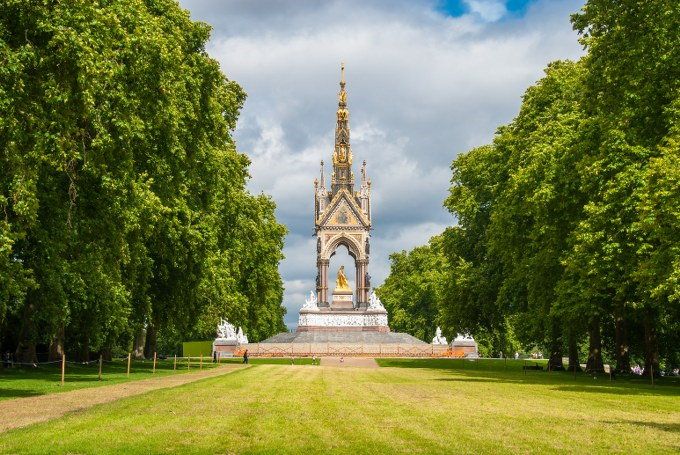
{"points": [[408, 406], [28, 381]]}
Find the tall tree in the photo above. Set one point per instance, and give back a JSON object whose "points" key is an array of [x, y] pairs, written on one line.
{"points": [[120, 183]]}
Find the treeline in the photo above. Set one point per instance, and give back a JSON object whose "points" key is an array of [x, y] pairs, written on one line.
{"points": [[568, 232], [125, 222]]}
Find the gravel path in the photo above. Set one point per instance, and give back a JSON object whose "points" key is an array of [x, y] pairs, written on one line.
{"points": [[362, 362], [20, 412]]}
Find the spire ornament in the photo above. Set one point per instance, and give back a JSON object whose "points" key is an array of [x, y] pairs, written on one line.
{"points": [[342, 176]]}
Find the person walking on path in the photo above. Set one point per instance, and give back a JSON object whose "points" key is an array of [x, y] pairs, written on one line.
{"points": [[245, 357]]}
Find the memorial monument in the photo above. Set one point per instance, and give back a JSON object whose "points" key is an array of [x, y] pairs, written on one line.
{"points": [[342, 218]]}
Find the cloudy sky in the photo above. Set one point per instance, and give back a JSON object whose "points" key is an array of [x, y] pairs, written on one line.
{"points": [[426, 81]]}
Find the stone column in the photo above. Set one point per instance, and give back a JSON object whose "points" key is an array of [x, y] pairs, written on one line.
{"points": [[322, 291], [361, 282], [357, 274]]}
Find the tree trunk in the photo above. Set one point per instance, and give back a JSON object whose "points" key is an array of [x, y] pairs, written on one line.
{"points": [[150, 347], [25, 351], [651, 345], [621, 339], [85, 349], [139, 343], [57, 345], [555, 360], [574, 363], [594, 364]]}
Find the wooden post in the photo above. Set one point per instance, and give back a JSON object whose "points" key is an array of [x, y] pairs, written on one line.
{"points": [[100, 367], [610, 373], [128, 368], [525, 367], [154, 363], [174, 365], [63, 368], [188, 362], [651, 372], [200, 362]]}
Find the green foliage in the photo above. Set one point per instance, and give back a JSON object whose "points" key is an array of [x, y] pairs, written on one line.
{"points": [[568, 223], [123, 195], [413, 291]]}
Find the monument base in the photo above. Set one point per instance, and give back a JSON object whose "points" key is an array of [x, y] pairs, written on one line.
{"points": [[342, 300], [223, 347], [343, 320]]}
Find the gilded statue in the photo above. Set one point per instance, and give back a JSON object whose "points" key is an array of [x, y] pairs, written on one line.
{"points": [[341, 283]]}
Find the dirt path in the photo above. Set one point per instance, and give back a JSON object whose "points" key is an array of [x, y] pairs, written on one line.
{"points": [[20, 412], [362, 362]]}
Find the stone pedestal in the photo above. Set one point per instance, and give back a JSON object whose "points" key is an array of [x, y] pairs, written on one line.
{"points": [[225, 347], [352, 320], [342, 300]]}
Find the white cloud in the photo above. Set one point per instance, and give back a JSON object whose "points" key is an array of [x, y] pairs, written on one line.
{"points": [[488, 10], [423, 87]]}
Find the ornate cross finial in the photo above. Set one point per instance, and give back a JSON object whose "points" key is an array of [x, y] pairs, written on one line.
{"points": [[342, 72]]}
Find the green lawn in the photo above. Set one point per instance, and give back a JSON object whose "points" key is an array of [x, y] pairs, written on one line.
{"points": [[431, 406], [27, 381], [23, 382]]}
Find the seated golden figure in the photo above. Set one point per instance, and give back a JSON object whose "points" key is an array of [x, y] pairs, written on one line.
{"points": [[341, 283]]}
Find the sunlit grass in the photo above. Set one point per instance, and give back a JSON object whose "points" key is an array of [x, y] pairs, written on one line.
{"points": [[430, 407]]}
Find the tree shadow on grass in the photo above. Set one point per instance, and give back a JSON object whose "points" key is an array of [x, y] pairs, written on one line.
{"points": [[565, 382], [670, 427], [19, 393], [560, 381]]}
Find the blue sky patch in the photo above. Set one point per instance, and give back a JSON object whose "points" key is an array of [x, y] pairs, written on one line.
{"points": [[457, 8]]}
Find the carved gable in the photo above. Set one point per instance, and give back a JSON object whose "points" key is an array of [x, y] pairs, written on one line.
{"points": [[343, 211]]}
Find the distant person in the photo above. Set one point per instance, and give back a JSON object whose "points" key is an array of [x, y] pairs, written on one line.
{"points": [[313, 360], [214, 356], [245, 357], [7, 359], [516, 355]]}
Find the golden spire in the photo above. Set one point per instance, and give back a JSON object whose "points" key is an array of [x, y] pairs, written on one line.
{"points": [[342, 152], [342, 176]]}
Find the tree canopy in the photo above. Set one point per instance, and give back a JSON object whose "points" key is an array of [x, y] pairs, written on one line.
{"points": [[568, 224], [124, 205]]}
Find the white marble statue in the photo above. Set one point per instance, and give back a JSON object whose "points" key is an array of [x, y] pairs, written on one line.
{"points": [[241, 337], [311, 302], [225, 330], [466, 337], [374, 302], [438, 338]]}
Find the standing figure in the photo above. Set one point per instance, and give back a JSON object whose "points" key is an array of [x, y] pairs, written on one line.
{"points": [[341, 282]]}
